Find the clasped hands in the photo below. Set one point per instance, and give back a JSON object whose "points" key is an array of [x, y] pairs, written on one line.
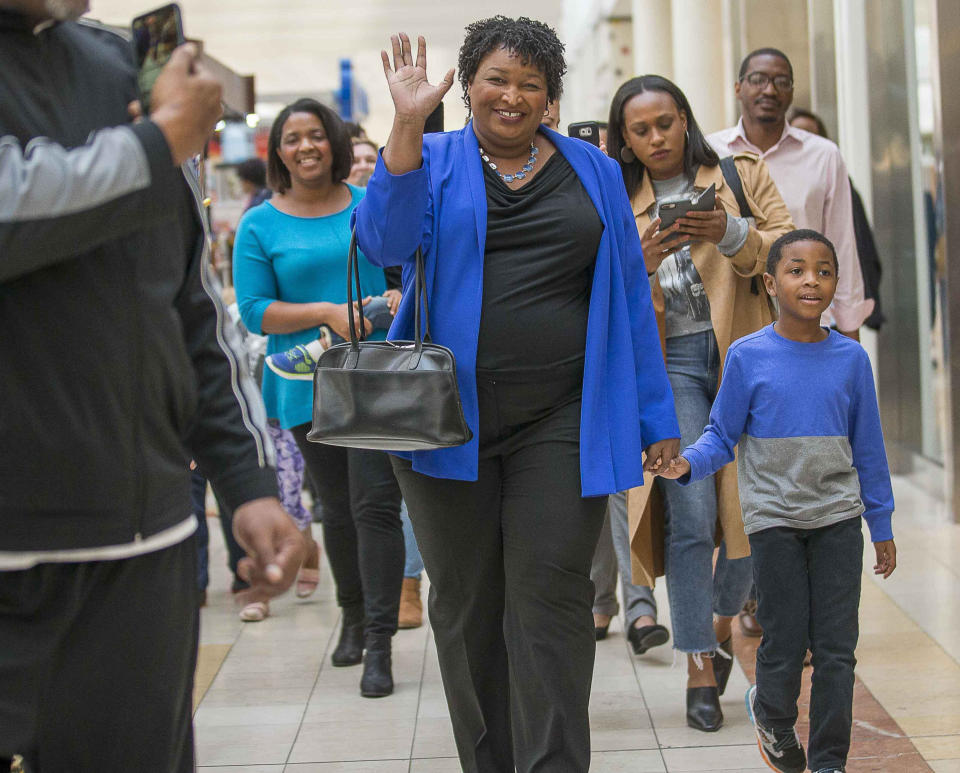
{"points": [[663, 459]]}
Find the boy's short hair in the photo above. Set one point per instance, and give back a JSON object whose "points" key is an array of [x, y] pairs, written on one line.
{"points": [[792, 237]]}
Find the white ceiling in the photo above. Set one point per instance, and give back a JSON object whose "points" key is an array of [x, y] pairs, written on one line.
{"points": [[294, 46]]}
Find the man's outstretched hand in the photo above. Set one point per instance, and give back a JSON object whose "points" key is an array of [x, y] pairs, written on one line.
{"points": [[275, 548]]}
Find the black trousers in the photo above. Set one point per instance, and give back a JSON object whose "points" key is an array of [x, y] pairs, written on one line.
{"points": [[97, 662], [808, 595], [361, 528], [511, 597]]}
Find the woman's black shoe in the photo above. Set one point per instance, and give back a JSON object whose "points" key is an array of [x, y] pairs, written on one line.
{"points": [[703, 709], [377, 679], [600, 631], [349, 651], [647, 636], [722, 666]]}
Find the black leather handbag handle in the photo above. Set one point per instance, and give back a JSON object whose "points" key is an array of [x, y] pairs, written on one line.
{"points": [[421, 327]]}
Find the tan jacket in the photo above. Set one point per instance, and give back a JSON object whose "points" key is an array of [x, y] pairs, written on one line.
{"points": [[735, 311]]}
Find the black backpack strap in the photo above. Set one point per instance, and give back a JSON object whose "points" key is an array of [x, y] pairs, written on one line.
{"points": [[732, 177]]}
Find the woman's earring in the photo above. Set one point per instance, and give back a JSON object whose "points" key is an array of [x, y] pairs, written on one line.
{"points": [[627, 155], [686, 133]]}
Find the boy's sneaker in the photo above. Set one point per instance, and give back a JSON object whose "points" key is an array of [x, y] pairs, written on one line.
{"points": [[780, 749], [300, 362]]}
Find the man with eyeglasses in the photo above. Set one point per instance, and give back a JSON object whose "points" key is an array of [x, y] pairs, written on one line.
{"points": [[808, 171]]}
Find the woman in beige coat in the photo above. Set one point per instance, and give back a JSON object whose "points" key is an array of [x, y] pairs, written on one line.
{"points": [[703, 272]]}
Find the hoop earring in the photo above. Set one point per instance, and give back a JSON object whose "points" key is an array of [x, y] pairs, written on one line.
{"points": [[627, 155], [686, 133]]}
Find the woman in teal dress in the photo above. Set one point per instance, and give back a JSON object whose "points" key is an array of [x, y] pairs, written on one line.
{"points": [[290, 261]]}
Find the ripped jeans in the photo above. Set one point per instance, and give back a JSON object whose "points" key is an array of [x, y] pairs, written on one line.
{"points": [[696, 592]]}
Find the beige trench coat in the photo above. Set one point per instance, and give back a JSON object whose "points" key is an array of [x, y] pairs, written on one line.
{"points": [[735, 311]]}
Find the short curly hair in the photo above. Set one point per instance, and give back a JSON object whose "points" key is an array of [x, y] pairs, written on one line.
{"points": [[533, 41]]}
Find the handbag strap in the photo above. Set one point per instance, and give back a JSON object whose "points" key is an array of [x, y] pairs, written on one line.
{"points": [[421, 327], [729, 169]]}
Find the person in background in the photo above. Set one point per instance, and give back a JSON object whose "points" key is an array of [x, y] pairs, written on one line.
{"points": [[552, 119], [798, 402], [866, 245], [117, 370], [411, 604], [604, 128], [253, 181], [290, 263], [532, 232], [354, 130], [612, 558], [364, 161], [290, 476], [703, 271], [808, 171]]}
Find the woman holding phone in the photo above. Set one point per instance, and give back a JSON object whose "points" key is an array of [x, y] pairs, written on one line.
{"points": [[702, 271], [522, 230]]}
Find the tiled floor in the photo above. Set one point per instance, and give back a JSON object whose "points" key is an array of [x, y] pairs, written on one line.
{"points": [[270, 701]]}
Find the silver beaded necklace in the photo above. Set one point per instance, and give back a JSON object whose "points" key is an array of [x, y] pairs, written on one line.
{"points": [[509, 178]]}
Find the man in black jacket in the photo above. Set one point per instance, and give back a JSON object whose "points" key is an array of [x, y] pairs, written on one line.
{"points": [[116, 369]]}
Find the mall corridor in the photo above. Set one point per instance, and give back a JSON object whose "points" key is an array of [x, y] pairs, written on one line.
{"points": [[268, 699]]}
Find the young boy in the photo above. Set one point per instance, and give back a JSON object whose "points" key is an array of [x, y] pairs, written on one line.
{"points": [[800, 402]]}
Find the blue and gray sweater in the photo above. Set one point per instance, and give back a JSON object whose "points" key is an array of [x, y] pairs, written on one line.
{"points": [[806, 419]]}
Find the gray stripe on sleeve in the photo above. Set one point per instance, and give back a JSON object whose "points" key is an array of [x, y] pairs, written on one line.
{"points": [[800, 482], [47, 180], [245, 389]]}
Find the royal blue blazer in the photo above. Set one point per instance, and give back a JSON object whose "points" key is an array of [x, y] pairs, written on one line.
{"points": [[442, 207]]}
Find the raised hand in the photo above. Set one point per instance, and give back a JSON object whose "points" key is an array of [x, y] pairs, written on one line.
{"points": [[413, 96]]}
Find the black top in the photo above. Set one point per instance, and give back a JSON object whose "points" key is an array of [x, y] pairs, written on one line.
{"points": [[541, 247]]}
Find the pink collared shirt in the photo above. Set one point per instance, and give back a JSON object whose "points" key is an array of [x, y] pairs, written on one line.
{"points": [[812, 179]]}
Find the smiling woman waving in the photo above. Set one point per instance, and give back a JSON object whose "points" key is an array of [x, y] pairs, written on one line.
{"points": [[536, 282]]}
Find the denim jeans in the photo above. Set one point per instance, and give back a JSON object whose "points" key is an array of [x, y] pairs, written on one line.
{"points": [[808, 595], [413, 563], [696, 592], [613, 554]]}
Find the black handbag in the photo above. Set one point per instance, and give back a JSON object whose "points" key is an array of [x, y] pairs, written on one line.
{"points": [[388, 395]]}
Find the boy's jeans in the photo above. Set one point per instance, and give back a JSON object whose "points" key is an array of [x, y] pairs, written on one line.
{"points": [[808, 595]]}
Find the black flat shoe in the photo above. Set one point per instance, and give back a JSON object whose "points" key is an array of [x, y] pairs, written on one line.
{"points": [[601, 631], [349, 650], [722, 666], [377, 679], [647, 636], [703, 709]]}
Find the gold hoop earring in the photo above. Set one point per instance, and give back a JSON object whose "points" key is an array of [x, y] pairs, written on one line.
{"points": [[627, 155]]}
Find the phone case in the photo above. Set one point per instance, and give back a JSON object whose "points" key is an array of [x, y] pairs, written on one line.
{"points": [[670, 212], [588, 131]]}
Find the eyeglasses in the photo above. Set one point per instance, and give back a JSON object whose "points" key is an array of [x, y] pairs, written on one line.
{"points": [[760, 80]]}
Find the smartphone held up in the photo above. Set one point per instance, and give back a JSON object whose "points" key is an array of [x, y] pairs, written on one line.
{"points": [[155, 35], [588, 131]]}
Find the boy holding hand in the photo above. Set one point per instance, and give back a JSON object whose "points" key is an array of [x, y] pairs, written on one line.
{"points": [[799, 401]]}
